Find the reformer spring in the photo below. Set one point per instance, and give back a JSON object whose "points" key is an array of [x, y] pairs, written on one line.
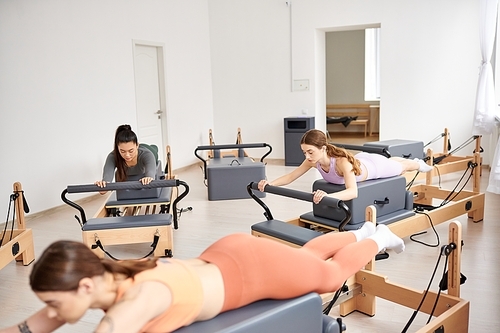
{"points": [[445, 251]]}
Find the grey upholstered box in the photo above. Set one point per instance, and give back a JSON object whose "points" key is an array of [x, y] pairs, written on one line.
{"points": [[401, 148], [228, 177], [392, 190]]}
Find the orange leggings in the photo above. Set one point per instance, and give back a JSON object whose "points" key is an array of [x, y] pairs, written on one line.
{"points": [[256, 268]]}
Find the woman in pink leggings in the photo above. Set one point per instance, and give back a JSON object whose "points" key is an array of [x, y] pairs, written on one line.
{"points": [[165, 294], [338, 166]]}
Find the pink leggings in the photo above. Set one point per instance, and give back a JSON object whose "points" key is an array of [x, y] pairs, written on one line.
{"points": [[255, 268]]}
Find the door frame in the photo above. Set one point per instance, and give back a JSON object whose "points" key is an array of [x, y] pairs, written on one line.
{"points": [[161, 86]]}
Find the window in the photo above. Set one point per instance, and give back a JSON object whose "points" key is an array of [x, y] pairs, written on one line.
{"points": [[372, 64]]}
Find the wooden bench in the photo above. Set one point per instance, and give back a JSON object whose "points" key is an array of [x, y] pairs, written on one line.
{"points": [[361, 111]]}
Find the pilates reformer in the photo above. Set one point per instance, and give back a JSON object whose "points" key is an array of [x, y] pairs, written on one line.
{"points": [[405, 211], [105, 229], [444, 162], [17, 243], [237, 171], [360, 291]]}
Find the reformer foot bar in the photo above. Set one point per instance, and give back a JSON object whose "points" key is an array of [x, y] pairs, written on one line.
{"points": [[288, 232], [18, 242], [452, 313], [109, 230]]}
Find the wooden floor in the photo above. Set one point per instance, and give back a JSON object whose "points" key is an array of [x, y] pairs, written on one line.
{"points": [[210, 220]]}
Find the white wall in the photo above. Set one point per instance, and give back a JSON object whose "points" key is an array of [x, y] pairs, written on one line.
{"points": [[66, 75], [67, 82], [429, 64]]}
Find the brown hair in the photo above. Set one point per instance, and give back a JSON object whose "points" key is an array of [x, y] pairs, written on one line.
{"points": [[123, 134], [64, 263], [318, 139]]}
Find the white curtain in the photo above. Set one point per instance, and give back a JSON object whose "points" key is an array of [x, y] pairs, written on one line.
{"points": [[484, 113]]}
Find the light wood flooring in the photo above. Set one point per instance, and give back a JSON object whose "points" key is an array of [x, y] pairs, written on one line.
{"points": [[210, 220]]}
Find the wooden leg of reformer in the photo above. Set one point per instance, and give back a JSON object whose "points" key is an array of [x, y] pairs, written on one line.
{"points": [[363, 302], [476, 215], [455, 237], [477, 151], [446, 138], [429, 175], [25, 242]]}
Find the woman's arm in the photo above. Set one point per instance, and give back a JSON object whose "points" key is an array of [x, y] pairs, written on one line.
{"points": [[108, 171], [36, 323], [148, 161], [289, 177], [139, 305], [351, 185]]}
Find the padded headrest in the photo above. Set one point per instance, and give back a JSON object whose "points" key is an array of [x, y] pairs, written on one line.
{"points": [[152, 148]]}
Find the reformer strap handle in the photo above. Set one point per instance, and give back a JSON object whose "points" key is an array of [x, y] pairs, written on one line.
{"points": [[294, 194], [124, 186], [381, 202], [98, 244]]}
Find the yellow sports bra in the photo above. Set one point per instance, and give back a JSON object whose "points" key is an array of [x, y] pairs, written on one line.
{"points": [[187, 294]]}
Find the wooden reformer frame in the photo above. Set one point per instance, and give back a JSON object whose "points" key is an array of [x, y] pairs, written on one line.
{"points": [[122, 236], [233, 153], [450, 164], [20, 247], [451, 313], [143, 234]]}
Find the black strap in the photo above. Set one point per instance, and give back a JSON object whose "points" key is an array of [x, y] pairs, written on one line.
{"points": [[98, 244], [12, 198]]}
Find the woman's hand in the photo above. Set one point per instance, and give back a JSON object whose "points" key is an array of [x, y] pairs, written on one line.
{"points": [[262, 184], [318, 195], [146, 180], [102, 184]]}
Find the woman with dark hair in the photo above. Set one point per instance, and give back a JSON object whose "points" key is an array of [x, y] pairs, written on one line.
{"points": [[338, 166], [162, 295], [130, 160]]}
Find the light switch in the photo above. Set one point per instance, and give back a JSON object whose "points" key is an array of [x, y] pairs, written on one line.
{"points": [[300, 85]]}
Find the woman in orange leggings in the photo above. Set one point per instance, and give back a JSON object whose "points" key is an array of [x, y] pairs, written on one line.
{"points": [[165, 294]]}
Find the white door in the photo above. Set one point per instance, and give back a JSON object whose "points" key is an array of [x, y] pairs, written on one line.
{"points": [[149, 92]]}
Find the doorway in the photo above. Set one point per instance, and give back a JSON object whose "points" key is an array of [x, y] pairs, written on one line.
{"points": [[350, 60], [150, 95]]}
